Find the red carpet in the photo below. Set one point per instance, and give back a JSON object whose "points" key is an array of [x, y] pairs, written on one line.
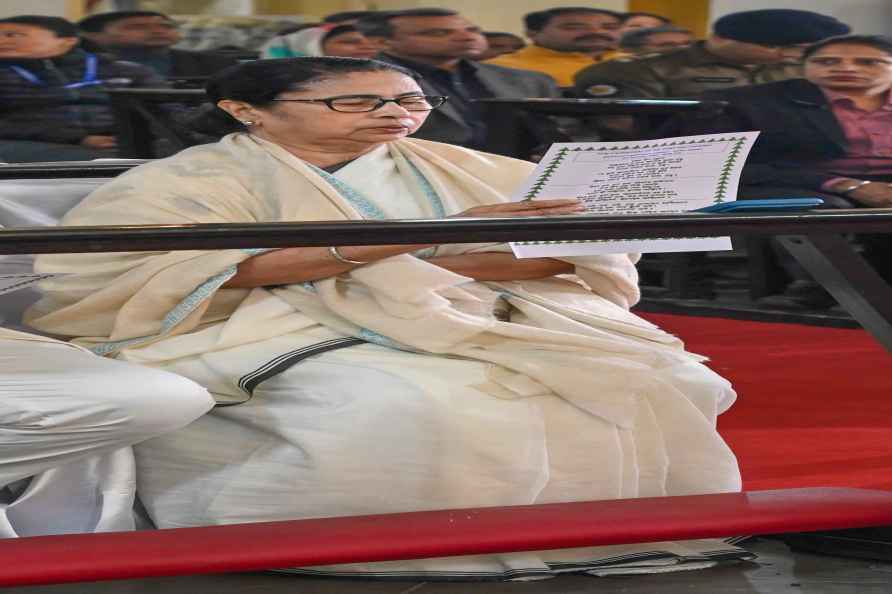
{"points": [[814, 406]]}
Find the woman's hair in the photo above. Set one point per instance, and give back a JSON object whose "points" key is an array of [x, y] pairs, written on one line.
{"points": [[57, 25], [338, 30], [349, 15], [880, 42], [260, 81], [295, 27], [631, 15], [638, 37]]}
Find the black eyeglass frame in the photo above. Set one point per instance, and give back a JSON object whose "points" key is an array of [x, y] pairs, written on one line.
{"points": [[434, 101]]}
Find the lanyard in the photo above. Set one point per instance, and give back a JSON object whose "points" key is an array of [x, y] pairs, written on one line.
{"points": [[90, 72]]}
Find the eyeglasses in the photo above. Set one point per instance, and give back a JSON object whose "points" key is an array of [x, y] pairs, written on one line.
{"points": [[365, 103]]}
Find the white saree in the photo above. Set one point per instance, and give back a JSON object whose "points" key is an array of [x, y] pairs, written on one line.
{"points": [[393, 387]]}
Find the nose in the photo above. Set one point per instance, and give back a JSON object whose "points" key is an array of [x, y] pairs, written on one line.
{"points": [[466, 36], [393, 109]]}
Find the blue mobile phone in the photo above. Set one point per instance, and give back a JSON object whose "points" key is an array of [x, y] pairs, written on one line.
{"points": [[763, 205]]}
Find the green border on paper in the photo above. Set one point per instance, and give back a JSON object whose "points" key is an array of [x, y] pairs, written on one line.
{"points": [[719, 195]]}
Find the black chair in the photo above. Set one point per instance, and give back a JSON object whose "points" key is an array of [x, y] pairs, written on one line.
{"points": [[187, 82], [149, 121], [69, 169], [505, 117], [237, 53]]}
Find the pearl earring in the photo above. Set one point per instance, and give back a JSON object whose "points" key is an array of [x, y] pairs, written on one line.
{"points": [[248, 122]]}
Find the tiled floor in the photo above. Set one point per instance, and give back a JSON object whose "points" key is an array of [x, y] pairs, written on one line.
{"points": [[776, 571]]}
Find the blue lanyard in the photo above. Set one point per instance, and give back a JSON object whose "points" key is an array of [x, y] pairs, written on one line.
{"points": [[90, 71]]}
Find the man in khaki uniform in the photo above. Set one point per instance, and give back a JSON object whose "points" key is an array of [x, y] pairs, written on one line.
{"points": [[746, 48]]}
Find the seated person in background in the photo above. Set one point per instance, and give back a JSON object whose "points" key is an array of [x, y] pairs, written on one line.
{"points": [[386, 378], [350, 44], [827, 135], [645, 43], [329, 23], [440, 45], [634, 21], [294, 28], [67, 421], [565, 40], [745, 48], [53, 100], [500, 44], [147, 38], [343, 41], [642, 20]]}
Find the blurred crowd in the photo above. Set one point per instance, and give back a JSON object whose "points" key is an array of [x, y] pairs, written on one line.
{"points": [[818, 94]]}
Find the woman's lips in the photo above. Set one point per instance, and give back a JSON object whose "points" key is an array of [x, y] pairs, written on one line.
{"points": [[390, 128]]}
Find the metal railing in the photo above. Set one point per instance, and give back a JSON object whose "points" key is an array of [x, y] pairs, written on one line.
{"points": [[816, 238], [459, 230]]}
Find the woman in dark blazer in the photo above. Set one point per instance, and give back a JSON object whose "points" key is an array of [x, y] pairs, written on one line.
{"points": [[827, 135], [824, 133]]}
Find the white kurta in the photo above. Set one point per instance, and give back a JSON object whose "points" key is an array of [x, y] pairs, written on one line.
{"points": [[67, 419]]}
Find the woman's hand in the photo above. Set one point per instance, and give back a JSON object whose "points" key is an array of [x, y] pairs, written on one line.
{"points": [[295, 265], [527, 208], [99, 142], [876, 194], [499, 266]]}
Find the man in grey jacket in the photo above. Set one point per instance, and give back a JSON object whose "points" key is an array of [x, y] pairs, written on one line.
{"points": [[440, 45]]}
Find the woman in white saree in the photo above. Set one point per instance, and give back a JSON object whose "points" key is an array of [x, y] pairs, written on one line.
{"points": [[376, 379]]}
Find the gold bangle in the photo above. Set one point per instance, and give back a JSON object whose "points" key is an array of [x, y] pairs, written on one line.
{"points": [[337, 256]]}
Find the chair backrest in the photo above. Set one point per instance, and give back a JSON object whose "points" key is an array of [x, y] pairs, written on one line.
{"points": [[33, 203], [149, 122], [505, 117]]}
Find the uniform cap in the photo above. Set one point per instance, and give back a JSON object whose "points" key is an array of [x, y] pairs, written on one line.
{"points": [[779, 27]]}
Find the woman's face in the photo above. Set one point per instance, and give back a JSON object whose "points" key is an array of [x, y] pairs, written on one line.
{"points": [[852, 67], [314, 124], [29, 41], [641, 21], [500, 45], [352, 44]]}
